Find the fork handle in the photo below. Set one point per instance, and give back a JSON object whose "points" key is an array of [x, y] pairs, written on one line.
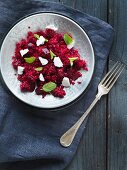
{"points": [[67, 138]]}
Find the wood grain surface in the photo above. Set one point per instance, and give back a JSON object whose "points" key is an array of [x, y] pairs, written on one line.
{"points": [[117, 100]]}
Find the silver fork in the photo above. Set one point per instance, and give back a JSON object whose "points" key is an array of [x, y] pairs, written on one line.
{"points": [[103, 88]]}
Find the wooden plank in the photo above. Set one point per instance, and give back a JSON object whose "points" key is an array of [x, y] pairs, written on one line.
{"points": [[117, 101], [91, 153], [96, 8], [50, 0], [70, 3]]}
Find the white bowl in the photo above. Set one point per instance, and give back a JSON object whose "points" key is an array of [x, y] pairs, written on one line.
{"points": [[40, 21]]}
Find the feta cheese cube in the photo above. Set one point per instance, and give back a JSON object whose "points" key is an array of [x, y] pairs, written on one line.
{"points": [[41, 77], [66, 82], [52, 27], [43, 61], [20, 70], [40, 41], [23, 52], [57, 62]]}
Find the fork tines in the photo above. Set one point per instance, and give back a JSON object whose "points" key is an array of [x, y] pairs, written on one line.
{"points": [[111, 77]]}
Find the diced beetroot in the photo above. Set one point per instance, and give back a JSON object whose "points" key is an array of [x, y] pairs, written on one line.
{"points": [[80, 64], [30, 80], [50, 33], [59, 92], [23, 44], [25, 86]]}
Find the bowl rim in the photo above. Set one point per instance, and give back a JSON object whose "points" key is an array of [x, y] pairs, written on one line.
{"points": [[88, 38]]}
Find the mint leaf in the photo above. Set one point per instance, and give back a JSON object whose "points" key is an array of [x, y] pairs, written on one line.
{"points": [[52, 54], [29, 60], [36, 36], [72, 60], [39, 68], [48, 87], [68, 39]]}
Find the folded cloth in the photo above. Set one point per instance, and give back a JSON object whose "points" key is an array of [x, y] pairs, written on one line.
{"points": [[29, 137]]}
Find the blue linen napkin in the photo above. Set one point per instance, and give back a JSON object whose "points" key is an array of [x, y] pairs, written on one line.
{"points": [[29, 137]]}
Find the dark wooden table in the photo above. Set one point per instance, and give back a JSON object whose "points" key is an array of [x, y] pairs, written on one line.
{"points": [[104, 143]]}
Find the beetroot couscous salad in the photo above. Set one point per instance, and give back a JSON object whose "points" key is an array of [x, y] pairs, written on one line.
{"points": [[47, 62]]}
